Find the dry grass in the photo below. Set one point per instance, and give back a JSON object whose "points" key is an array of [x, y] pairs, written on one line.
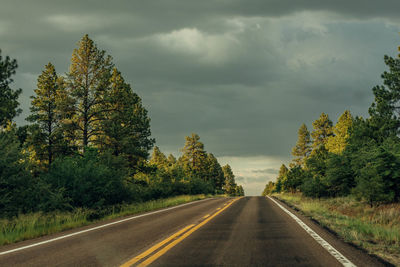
{"points": [[376, 229]]}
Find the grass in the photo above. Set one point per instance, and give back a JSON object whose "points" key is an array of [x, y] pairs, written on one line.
{"points": [[375, 229], [27, 226]]}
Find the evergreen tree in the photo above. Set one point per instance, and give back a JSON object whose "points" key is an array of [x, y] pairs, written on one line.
{"points": [[293, 179], [214, 172], [8, 97], [230, 184], [322, 130], [171, 160], [158, 158], [46, 133], [303, 146], [337, 142], [239, 191], [194, 156], [89, 79], [125, 126], [269, 188], [283, 170], [385, 110]]}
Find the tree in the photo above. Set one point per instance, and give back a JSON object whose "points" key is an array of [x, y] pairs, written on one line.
{"points": [[16, 185], [337, 142], [303, 146], [378, 173], [339, 174], [385, 110], [124, 124], [230, 184], [214, 172], [322, 130], [8, 97], [158, 158], [293, 179], [171, 160], [46, 133], [194, 156], [283, 170], [88, 80], [269, 188], [239, 191]]}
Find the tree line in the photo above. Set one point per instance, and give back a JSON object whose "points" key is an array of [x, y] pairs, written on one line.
{"points": [[87, 143], [356, 156]]}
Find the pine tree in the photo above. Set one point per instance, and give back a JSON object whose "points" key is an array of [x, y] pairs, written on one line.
{"points": [[46, 134], [89, 77], [8, 97], [303, 146], [269, 188], [194, 156], [171, 160], [124, 124], [385, 111], [283, 170], [214, 172], [322, 130], [337, 143], [158, 158], [230, 184]]}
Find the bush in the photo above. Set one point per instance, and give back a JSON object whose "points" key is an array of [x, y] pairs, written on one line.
{"points": [[88, 181], [17, 187]]}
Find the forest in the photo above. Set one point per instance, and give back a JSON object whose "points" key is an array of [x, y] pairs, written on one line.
{"points": [[357, 156], [87, 143]]}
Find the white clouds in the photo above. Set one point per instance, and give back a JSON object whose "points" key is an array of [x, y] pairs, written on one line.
{"points": [[208, 48], [247, 174], [72, 22]]}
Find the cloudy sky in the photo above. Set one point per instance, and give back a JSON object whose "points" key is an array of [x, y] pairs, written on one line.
{"points": [[244, 75]]}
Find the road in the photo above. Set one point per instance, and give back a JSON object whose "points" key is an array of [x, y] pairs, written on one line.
{"points": [[249, 231]]}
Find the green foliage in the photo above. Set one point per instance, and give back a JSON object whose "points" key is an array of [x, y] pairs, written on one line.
{"points": [[339, 175], [356, 156], [214, 173], [194, 156], [125, 126], [17, 188], [337, 142], [281, 176], [8, 97], [378, 178], [302, 149], [322, 130], [269, 189], [88, 79], [46, 136], [293, 179], [87, 146], [90, 180]]}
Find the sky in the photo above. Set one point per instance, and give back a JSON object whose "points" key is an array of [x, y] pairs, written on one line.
{"points": [[244, 75]]}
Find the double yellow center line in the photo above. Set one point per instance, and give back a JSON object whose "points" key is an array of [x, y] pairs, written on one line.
{"points": [[175, 238]]}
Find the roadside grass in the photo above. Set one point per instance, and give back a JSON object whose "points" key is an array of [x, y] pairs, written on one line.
{"points": [[28, 226], [375, 229]]}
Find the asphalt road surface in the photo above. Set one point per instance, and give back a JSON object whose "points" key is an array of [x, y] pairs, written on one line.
{"points": [[249, 231]]}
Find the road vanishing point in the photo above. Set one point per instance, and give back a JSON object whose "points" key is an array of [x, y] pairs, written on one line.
{"points": [[245, 231]]}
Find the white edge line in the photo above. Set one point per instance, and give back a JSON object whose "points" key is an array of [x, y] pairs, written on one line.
{"points": [[336, 254], [99, 227]]}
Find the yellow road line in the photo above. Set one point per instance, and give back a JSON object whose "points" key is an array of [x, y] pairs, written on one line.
{"points": [[176, 241], [155, 247], [218, 208], [206, 216]]}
